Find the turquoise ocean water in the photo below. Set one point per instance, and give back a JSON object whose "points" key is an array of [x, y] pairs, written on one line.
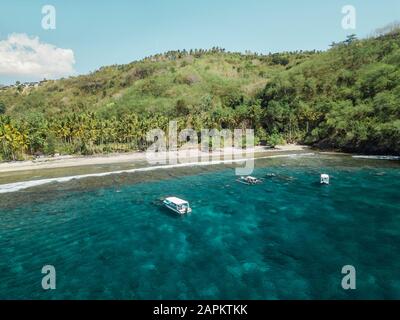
{"points": [[288, 238]]}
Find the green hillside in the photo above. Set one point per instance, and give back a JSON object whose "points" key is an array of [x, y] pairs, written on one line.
{"points": [[196, 79], [345, 98]]}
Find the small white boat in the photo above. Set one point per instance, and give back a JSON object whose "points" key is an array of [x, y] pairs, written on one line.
{"points": [[249, 180], [177, 205], [325, 179]]}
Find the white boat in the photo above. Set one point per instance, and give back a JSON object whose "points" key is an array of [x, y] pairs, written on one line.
{"points": [[325, 179], [177, 205], [249, 180]]}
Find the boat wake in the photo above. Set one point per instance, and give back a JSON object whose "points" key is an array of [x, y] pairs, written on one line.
{"points": [[17, 186]]}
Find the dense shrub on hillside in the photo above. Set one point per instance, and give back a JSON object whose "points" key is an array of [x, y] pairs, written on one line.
{"points": [[346, 98], [2, 108]]}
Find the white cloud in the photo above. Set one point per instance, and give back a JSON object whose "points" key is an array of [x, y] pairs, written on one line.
{"points": [[21, 55]]}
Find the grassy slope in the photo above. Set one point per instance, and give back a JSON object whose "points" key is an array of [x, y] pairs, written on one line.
{"points": [[152, 85]]}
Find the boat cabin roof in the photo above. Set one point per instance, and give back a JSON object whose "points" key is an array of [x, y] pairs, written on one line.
{"points": [[176, 201], [251, 178]]}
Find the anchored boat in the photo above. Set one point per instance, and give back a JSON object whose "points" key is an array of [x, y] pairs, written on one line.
{"points": [[325, 179], [249, 180], [177, 205]]}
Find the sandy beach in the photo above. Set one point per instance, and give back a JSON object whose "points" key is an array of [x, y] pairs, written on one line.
{"points": [[77, 161]]}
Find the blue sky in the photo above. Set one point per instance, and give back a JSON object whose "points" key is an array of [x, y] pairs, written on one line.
{"points": [[103, 32]]}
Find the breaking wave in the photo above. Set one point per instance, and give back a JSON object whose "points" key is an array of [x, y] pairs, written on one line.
{"points": [[378, 157], [17, 186]]}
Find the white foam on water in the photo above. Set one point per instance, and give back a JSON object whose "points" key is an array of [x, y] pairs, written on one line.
{"points": [[17, 186], [378, 157]]}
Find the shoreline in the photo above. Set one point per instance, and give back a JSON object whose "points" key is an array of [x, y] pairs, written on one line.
{"points": [[123, 158], [26, 174], [26, 184]]}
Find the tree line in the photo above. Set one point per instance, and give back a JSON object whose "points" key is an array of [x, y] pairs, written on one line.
{"points": [[89, 133]]}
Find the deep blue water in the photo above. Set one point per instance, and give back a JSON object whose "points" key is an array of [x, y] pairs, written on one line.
{"points": [[285, 239]]}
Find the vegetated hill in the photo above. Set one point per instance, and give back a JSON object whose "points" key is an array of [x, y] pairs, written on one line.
{"points": [[345, 98], [193, 81]]}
